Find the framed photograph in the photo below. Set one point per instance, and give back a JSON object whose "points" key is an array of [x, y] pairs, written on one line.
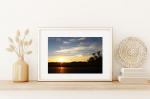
{"points": [[75, 54]]}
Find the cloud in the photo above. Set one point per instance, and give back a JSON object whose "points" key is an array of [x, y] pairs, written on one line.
{"points": [[72, 40], [79, 55], [66, 42], [82, 38], [79, 39], [77, 50], [73, 49], [58, 39]]}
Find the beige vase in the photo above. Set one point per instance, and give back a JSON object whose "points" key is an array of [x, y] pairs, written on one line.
{"points": [[20, 71]]}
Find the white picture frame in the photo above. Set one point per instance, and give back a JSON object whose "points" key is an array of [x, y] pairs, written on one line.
{"points": [[44, 33]]}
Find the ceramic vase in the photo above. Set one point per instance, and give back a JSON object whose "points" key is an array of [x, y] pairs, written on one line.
{"points": [[20, 71]]}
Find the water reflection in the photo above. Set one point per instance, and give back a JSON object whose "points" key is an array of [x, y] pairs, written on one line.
{"points": [[61, 69], [74, 68]]}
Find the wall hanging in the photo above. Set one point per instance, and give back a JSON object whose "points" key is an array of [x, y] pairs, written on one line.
{"points": [[75, 54]]}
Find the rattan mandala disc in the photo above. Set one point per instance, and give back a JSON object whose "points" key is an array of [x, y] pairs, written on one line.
{"points": [[132, 52]]}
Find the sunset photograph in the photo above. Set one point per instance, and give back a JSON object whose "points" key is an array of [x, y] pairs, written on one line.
{"points": [[75, 55]]}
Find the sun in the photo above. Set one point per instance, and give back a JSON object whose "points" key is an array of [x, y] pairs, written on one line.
{"points": [[61, 59]]}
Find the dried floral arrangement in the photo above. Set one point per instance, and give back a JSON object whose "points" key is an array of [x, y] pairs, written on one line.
{"points": [[20, 44]]}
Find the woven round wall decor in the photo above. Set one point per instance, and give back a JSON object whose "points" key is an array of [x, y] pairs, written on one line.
{"points": [[132, 52]]}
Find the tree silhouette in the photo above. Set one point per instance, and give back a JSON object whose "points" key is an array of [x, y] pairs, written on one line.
{"points": [[96, 57], [91, 59]]}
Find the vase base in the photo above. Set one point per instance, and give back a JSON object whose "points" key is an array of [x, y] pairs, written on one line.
{"points": [[20, 81]]}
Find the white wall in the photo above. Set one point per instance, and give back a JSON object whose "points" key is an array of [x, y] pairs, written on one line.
{"points": [[127, 17]]}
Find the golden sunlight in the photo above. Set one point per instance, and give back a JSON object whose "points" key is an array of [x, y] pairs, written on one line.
{"points": [[61, 59]]}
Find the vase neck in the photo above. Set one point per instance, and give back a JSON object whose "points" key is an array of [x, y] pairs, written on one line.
{"points": [[21, 58]]}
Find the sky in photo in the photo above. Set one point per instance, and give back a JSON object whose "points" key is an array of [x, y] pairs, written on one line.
{"points": [[72, 49]]}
